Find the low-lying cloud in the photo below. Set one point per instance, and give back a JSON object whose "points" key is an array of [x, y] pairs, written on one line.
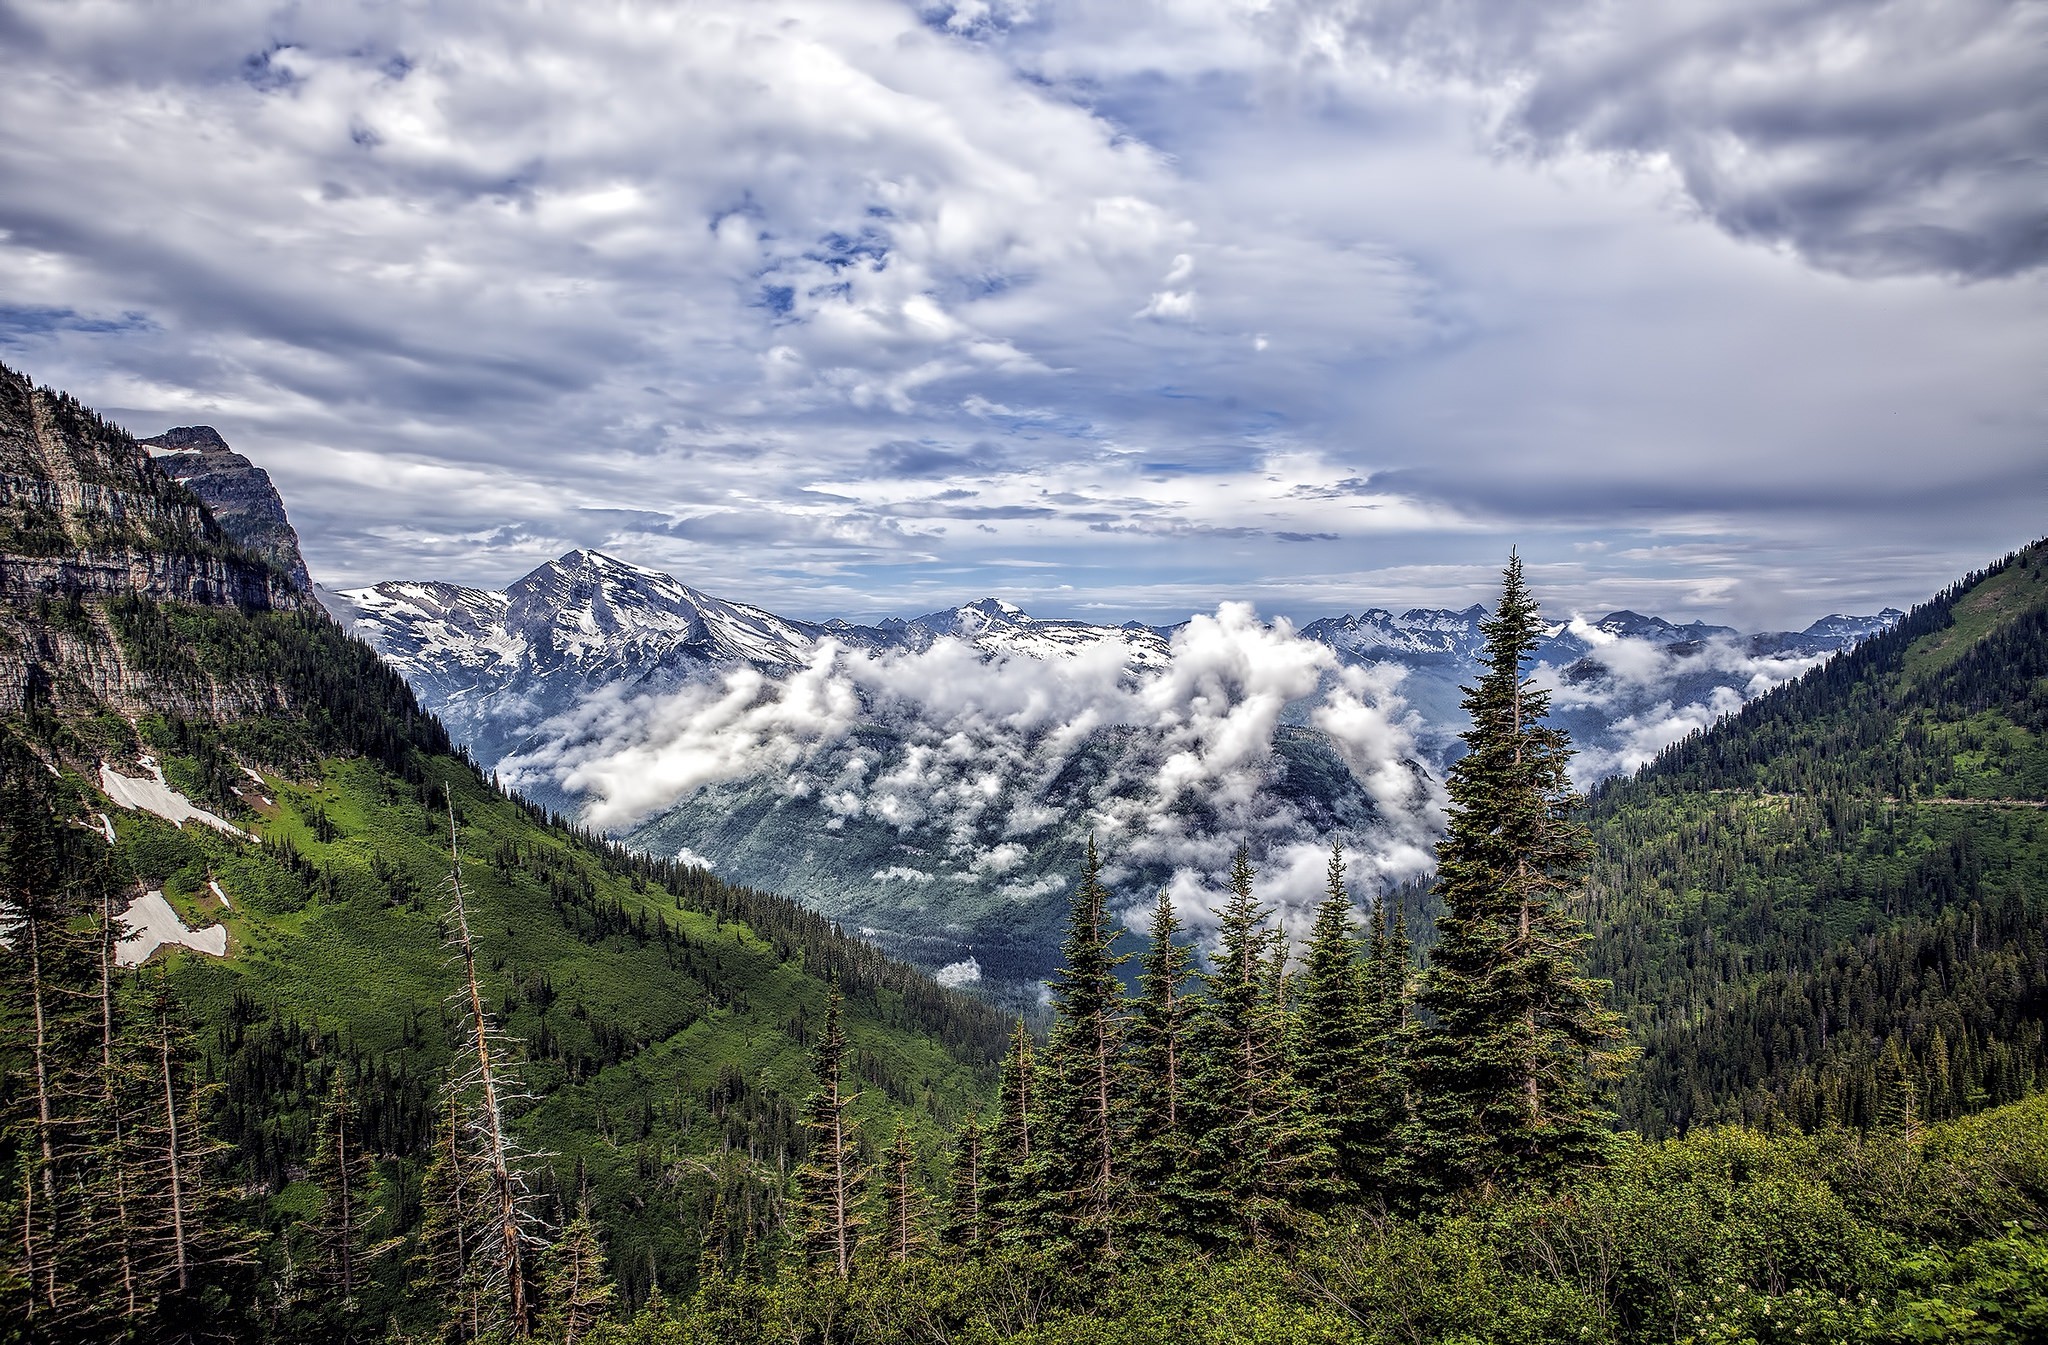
{"points": [[974, 759]]}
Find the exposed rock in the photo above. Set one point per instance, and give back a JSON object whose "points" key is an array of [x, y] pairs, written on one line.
{"points": [[84, 515], [239, 494]]}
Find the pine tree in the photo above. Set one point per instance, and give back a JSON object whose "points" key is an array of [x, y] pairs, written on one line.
{"points": [[1331, 1055], [1010, 1204], [964, 1224], [452, 1198], [577, 1285], [1085, 1134], [903, 1200], [832, 1180], [43, 999], [1261, 1157], [1503, 1077], [343, 1170], [1161, 1051]]}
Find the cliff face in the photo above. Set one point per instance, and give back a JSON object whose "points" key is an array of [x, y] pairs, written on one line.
{"points": [[87, 517], [238, 493]]}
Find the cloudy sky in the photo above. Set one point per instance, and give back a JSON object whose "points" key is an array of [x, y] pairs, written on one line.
{"points": [[846, 307]]}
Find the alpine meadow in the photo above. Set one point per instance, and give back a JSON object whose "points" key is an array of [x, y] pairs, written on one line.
{"points": [[858, 672]]}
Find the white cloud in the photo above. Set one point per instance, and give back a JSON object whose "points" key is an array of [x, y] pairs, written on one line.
{"points": [[1178, 761]]}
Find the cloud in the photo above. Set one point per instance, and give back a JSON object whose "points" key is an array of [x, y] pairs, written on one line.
{"points": [[1873, 138], [744, 289], [971, 759]]}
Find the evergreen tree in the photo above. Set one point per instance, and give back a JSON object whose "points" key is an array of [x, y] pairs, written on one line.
{"points": [[343, 1170], [965, 1226], [903, 1200], [1504, 1074], [1261, 1156], [46, 973], [452, 1197], [1010, 1204], [1160, 1051], [1085, 1135], [577, 1285], [832, 1180], [1332, 1060]]}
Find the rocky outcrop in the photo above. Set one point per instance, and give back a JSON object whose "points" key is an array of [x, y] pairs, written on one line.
{"points": [[238, 493], [86, 516]]}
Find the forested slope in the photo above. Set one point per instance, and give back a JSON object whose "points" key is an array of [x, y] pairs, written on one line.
{"points": [[660, 1020], [1833, 904]]}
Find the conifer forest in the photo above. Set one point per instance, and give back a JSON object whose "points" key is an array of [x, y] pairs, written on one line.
{"points": [[1518, 1104]]}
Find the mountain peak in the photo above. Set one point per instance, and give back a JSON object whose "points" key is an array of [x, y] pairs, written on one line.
{"points": [[188, 439]]}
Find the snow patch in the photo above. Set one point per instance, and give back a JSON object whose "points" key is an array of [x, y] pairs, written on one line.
{"points": [[152, 924], [214, 883], [149, 794]]}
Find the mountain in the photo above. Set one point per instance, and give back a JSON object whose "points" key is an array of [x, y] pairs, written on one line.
{"points": [[901, 776], [189, 737], [1842, 889], [236, 492]]}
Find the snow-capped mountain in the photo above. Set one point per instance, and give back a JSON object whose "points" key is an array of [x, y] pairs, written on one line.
{"points": [[931, 780]]}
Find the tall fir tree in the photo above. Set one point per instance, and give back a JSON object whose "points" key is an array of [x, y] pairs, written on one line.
{"points": [[1010, 1205], [903, 1200], [1504, 1075], [832, 1181], [578, 1284], [342, 1167], [1160, 1049], [1331, 1046], [965, 1226], [1085, 1134], [1261, 1156]]}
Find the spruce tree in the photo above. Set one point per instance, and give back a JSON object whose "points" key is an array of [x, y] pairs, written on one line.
{"points": [[1261, 1156], [831, 1182], [1161, 1054], [903, 1200], [47, 973], [343, 1170], [1331, 1034], [576, 1282], [1085, 1135], [1505, 1072], [1010, 1189], [965, 1226]]}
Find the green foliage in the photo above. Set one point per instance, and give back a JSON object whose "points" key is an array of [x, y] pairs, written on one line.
{"points": [[1726, 1235], [1853, 867], [1504, 1070]]}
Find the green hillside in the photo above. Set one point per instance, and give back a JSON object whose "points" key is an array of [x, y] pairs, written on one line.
{"points": [[662, 1018], [1839, 896]]}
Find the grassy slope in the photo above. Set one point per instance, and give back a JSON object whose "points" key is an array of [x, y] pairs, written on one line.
{"points": [[1858, 860]]}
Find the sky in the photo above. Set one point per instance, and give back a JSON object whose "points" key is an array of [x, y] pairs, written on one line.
{"points": [[857, 307]]}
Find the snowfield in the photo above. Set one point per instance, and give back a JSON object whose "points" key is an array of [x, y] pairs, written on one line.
{"points": [[152, 924], [149, 794]]}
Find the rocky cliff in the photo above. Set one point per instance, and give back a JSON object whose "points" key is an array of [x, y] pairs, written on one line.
{"points": [[87, 517], [238, 493]]}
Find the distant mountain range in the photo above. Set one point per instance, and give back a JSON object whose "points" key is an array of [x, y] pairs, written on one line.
{"points": [[902, 775]]}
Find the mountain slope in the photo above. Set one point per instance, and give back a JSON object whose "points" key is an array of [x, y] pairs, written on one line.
{"points": [[1847, 881], [236, 492], [667, 1014]]}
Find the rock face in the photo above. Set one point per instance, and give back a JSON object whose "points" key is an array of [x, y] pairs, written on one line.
{"points": [[237, 492], [84, 515]]}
